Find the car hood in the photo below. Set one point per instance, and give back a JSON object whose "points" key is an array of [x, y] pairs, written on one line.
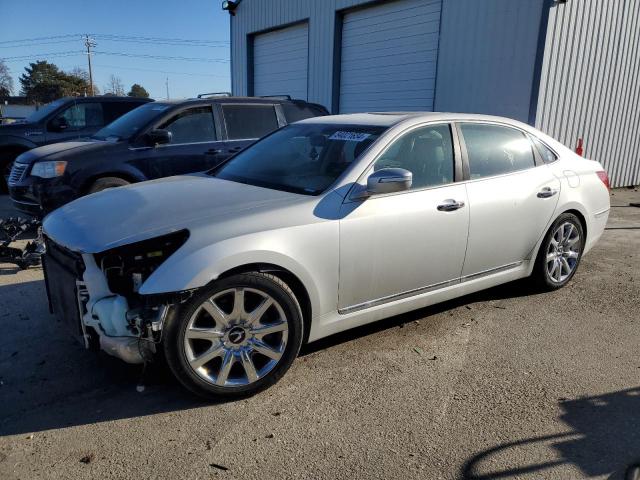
{"points": [[62, 148], [145, 210]]}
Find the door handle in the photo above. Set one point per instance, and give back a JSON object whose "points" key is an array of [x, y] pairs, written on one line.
{"points": [[547, 192], [214, 151], [450, 206]]}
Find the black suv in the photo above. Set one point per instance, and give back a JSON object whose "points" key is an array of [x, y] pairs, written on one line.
{"points": [[156, 140], [64, 119]]}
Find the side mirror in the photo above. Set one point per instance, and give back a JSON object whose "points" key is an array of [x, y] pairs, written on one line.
{"points": [[58, 124], [389, 180], [157, 136]]}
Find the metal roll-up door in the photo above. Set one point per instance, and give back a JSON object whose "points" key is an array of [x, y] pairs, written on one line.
{"points": [[389, 55], [280, 62]]}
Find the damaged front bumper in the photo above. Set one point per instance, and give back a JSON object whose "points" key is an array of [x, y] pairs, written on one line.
{"points": [[126, 326]]}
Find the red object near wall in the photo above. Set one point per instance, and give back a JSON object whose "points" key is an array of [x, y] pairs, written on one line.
{"points": [[579, 149]]}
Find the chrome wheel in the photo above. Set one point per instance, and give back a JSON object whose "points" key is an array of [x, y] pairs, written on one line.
{"points": [[563, 252], [236, 337]]}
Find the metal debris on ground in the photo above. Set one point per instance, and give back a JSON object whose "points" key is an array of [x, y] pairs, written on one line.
{"points": [[10, 230], [418, 350], [219, 467]]}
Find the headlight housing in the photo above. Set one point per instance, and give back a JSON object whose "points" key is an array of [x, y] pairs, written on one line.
{"points": [[127, 267], [48, 169]]}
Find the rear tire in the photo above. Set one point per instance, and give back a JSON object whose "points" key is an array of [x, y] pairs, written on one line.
{"points": [[235, 338], [107, 182], [560, 253]]}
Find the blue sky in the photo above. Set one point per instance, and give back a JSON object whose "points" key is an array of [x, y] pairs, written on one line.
{"points": [[184, 19]]}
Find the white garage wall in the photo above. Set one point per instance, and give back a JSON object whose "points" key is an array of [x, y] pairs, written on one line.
{"points": [[388, 56], [280, 62], [485, 47]]}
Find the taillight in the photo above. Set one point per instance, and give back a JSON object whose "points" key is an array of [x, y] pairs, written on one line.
{"points": [[602, 175]]}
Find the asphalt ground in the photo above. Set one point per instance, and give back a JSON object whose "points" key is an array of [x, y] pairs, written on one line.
{"points": [[505, 383]]}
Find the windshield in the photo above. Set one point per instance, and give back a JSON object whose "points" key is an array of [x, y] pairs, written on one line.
{"points": [[131, 122], [300, 158], [45, 110]]}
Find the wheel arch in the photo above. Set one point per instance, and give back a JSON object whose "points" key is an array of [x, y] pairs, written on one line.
{"points": [[581, 217], [291, 279], [88, 182], [572, 208]]}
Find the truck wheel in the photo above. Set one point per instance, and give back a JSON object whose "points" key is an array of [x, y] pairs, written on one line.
{"points": [[237, 337], [107, 182]]}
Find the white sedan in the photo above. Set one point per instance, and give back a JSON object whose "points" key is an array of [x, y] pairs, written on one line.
{"points": [[324, 225]]}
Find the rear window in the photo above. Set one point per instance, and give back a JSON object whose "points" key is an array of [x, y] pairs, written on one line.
{"points": [[249, 121], [294, 112], [496, 150], [545, 152]]}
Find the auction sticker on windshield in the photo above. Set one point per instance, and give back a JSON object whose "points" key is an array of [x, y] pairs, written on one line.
{"points": [[349, 136]]}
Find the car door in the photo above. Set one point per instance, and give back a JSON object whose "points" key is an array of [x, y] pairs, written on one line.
{"points": [[81, 119], [512, 196], [194, 145], [403, 244]]}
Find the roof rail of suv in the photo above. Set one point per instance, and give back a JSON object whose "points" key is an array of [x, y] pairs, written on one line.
{"points": [[214, 94], [276, 97]]}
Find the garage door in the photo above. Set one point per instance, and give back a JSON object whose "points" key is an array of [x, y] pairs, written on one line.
{"points": [[280, 62], [389, 55]]}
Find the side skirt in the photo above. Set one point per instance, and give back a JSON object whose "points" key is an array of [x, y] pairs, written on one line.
{"points": [[337, 321]]}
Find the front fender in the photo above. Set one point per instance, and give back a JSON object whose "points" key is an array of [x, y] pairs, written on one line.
{"points": [[85, 177], [10, 141], [309, 252]]}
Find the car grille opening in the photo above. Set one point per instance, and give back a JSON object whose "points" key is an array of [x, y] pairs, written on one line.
{"points": [[17, 173]]}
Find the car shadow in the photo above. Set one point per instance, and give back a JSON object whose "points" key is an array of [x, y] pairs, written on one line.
{"points": [[50, 381], [518, 288], [603, 441]]}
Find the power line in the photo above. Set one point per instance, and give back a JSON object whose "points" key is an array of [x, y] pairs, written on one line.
{"points": [[119, 54], [45, 55], [54, 39], [35, 44], [164, 57], [40, 38], [161, 71]]}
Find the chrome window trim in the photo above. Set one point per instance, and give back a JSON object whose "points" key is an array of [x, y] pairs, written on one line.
{"points": [[429, 288], [167, 145]]}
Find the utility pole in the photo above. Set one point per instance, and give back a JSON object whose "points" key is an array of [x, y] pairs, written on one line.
{"points": [[167, 84], [89, 43]]}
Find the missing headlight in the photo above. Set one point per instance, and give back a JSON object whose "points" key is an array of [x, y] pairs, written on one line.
{"points": [[127, 267]]}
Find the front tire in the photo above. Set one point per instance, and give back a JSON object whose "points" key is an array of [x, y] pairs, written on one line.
{"points": [[105, 183], [236, 338], [560, 253]]}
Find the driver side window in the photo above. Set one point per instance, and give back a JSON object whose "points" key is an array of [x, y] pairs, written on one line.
{"points": [[191, 126], [426, 152]]}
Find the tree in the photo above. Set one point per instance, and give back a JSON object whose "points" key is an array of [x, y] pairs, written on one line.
{"points": [[138, 90], [83, 75], [44, 82], [115, 86], [6, 82]]}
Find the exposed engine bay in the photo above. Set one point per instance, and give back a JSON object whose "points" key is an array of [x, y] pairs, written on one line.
{"points": [[112, 315]]}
